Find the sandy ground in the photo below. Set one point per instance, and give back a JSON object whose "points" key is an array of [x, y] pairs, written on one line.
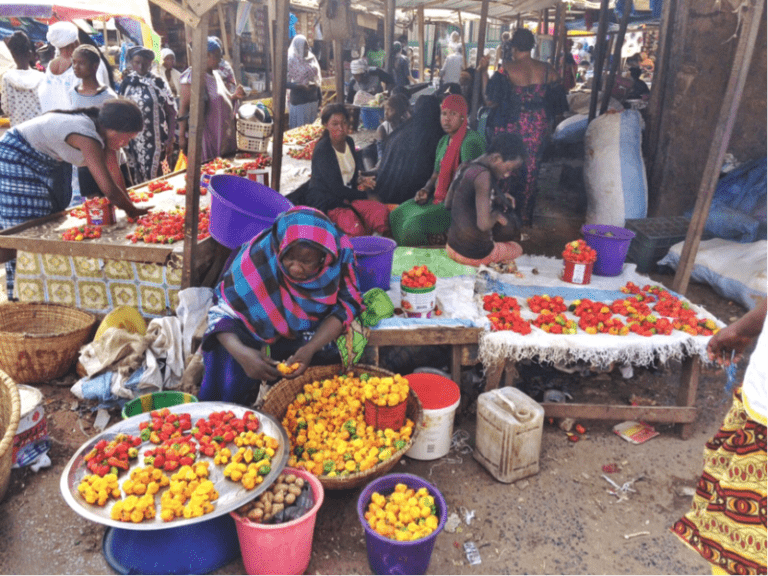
{"points": [[559, 521]]}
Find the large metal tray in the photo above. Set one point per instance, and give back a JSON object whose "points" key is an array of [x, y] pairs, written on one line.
{"points": [[232, 495]]}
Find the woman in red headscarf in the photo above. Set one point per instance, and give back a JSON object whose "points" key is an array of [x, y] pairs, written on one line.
{"points": [[421, 221]]}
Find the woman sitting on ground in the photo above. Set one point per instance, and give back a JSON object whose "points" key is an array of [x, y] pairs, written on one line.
{"points": [[395, 113], [408, 159], [336, 186], [286, 295], [481, 214], [424, 219]]}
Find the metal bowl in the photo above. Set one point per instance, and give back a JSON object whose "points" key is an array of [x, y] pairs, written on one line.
{"points": [[232, 495]]}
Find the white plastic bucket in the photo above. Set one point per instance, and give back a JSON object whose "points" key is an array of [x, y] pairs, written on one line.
{"points": [[31, 440], [440, 398]]}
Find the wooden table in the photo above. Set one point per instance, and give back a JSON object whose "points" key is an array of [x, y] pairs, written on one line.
{"points": [[463, 342]]}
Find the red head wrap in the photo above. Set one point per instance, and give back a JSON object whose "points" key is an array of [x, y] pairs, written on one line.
{"points": [[452, 158]]}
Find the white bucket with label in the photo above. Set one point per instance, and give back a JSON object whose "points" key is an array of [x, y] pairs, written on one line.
{"points": [[440, 397], [31, 440], [418, 302]]}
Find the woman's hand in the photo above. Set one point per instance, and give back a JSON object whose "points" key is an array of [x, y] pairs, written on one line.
{"points": [[302, 356], [137, 212], [258, 366], [422, 197], [239, 92], [737, 336], [366, 183]]}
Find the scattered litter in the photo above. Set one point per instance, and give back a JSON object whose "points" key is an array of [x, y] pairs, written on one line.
{"points": [[686, 491], [460, 445], [43, 461], [566, 424], [524, 237], [585, 475], [636, 534], [635, 432], [622, 492], [555, 395], [74, 405], [626, 371], [522, 485], [472, 553], [611, 468], [102, 420], [636, 400], [468, 515], [452, 523]]}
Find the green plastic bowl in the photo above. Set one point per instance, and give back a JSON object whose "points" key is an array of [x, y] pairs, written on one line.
{"points": [[156, 401]]}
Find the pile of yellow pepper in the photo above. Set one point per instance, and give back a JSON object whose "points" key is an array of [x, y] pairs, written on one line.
{"points": [[97, 490], [386, 391], [189, 495], [404, 515], [327, 430]]}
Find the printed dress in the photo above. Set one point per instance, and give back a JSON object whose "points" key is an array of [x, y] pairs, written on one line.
{"points": [[145, 152]]}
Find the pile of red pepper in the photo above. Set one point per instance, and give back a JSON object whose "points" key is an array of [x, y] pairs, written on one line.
{"points": [[182, 190], [220, 428], [160, 227], [578, 251], [141, 196], [555, 323], [79, 233], [418, 277], [113, 456], [159, 186], [505, 314], [172, 454], [215, 165], [164, 425], [539, 303], [304, 153]]}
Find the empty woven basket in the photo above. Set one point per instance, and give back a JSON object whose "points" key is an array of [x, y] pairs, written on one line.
{"points": [[39, 341], [10, 408]]}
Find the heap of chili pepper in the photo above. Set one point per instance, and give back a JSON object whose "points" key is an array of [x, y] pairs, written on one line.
{"points": [[113, 456], [160, 227], [164, 425]]}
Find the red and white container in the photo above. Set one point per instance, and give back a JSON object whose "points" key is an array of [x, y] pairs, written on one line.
{"points": [[99, 212], [577, 272], [440, 397], [260, 175], [418, 302]]}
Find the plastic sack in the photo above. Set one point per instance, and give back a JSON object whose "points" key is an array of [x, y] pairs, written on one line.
{"points": [[572, 129], [735, 271], [181, 163], [614, 170]]}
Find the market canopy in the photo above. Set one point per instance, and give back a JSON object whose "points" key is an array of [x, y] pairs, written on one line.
{"points": [[72, 9]]}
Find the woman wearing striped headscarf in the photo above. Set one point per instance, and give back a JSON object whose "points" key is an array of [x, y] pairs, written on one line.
{"points": [[285, 295]]}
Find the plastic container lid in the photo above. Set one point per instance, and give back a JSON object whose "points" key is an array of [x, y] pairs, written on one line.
{"points": [[434, 391]]}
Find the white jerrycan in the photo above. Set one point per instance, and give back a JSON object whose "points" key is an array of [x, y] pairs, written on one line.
{"points": [[508, 435]]}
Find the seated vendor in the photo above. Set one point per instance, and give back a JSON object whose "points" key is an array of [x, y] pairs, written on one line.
{"points": [[335, 185], [480, 212], [286, 295], [363, 81], [424, 219]]}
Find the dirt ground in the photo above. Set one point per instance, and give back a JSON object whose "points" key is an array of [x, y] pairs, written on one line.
{"points": [[559, 521]]}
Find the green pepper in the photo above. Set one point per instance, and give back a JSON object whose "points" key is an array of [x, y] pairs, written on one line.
{"points": [[259, 454], [347, 456], [298, 451], [301, 425], [328, 466], [149, 460], [400, 444], [311, 451], [145, 434], [264, 470], [218, 438], [364, 377]]}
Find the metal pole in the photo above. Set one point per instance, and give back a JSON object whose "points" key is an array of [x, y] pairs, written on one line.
{"points": [[600, 56], [278, 92], [477, 85], [619, 42]]}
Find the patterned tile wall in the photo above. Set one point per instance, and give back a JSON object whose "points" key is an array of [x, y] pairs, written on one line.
{"points": [[99, 285]]}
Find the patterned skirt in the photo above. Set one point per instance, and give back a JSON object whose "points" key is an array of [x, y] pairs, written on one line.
{"points": [[727, 520], [32, 184]]}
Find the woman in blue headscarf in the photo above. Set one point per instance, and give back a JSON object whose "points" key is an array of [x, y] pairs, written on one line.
{"points": [[285, 295], [219, 127]]}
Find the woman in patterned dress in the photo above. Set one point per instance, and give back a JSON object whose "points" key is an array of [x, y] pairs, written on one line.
{"points": [[158, 106], [517, 96], [726, 523]]}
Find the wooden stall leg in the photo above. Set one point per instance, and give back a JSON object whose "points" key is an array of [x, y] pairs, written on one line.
{"points": [[493, 375], [456, 363], [686, 396], [510, 373]]}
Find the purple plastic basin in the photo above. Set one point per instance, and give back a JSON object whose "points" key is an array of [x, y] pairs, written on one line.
{"points": [[387, 556], [374, 261], [611, 244], [241, 208]]}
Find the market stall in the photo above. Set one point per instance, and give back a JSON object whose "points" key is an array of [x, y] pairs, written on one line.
{"points": [[57, 261], [464, 324]]}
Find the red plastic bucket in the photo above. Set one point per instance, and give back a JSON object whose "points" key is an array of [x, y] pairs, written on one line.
{"points": [[241, 208], [280, 548], [577, 272], [611, 244], [387, 556], [374, 261]]}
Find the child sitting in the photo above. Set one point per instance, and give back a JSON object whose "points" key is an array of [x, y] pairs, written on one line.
{"points": [[480, 213]]}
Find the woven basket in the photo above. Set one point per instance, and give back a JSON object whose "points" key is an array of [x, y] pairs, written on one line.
{"points": [[10, 408], [278, 399], [39, 341]]}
